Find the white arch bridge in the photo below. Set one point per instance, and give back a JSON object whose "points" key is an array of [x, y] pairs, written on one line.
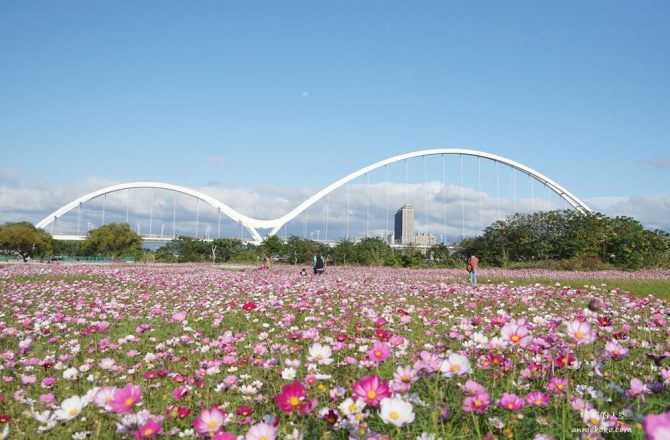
{"points": [[273, 226]]}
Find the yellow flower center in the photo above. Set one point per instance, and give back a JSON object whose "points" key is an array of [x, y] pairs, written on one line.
{"points": [[293, 401], [405, 379], [454, 368], [514, 338], [211, 424], [319, 357], [393, 415], [262, 437], [128, 401], [352, 407], [510, 406], [378, 353], [73, 412], [579, 335], [477, 403], [371, 394], [148, 431], [538, 402]]}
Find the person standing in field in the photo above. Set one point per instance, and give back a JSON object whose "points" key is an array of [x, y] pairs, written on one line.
{"points": [[472, 267], [318, 263]]}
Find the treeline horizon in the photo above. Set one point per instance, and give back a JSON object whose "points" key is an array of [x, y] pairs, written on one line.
{"points": [[560, 239]]}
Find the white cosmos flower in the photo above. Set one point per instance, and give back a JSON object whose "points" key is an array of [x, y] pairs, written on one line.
{"points": [[397, 412], [288, 373], [321, 354], [71, 374], [455, 365], [70, 408], [350, 407]]}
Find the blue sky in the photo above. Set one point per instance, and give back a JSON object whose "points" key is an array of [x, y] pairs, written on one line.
{"points": [[296, 94]]}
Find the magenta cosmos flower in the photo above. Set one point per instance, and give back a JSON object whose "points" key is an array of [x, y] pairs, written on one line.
{"points": [[293, 398], [477, 403], [557, 385], [372, 389], [149, 429], [510, 402], [209, 421], [537, 399], [124, 399], [657, 426]]}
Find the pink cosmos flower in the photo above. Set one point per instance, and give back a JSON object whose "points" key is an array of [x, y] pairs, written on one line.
{"points": [[615, 350], [48, 382], [178, 316], [379, 352], [293, 398], [224, 436], [261, 431], [657, 426], [477, 403], [209, 421], [124, 399], [428, 362], [148, 429], [472, 388], [580, 332], [537, 399], [405, 375], [510, 402], [179, 392], [557, 385], [637, 388], [515, 333], [103, 396], [372, 389], [47, 399]]}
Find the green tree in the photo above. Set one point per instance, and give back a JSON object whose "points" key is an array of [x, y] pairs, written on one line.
{"points": [[184, 249], [373, 251], [343, 252], [273, 246], [113, 240], [25, 240], [228, 249]]}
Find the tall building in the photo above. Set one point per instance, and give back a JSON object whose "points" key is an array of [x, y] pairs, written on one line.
{"points": [[404, 225]]}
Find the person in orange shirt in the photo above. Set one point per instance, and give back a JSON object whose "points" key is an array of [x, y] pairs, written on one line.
{"points": [[473, 265]]}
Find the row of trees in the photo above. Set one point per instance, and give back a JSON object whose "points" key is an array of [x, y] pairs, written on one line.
{"points": [[569, 236], [298, 251], [527, 239], [114, 240]]}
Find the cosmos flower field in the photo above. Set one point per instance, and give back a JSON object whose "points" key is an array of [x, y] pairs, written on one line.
{"points": [[125, 351]]}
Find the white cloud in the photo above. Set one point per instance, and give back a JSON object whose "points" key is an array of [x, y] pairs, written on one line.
{"points": [[359, 209], [652, 210], [9, 175]]}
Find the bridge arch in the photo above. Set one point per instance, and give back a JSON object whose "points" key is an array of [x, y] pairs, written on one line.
{"points": [[555, 187], [247, 222], [252, 224]]}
